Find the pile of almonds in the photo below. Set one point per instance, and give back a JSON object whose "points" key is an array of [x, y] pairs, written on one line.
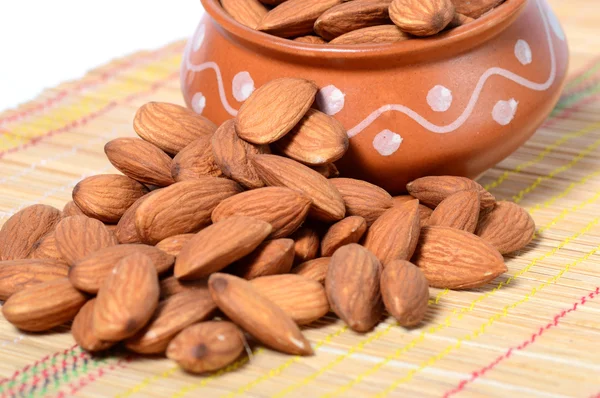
{"points": [[216, 234], [355, 21]]}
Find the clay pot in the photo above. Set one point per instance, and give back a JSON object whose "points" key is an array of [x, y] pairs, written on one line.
{"points": [[456, 103]]}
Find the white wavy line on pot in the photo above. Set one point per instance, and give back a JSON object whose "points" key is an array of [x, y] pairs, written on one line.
{"points": [[495, 71]]}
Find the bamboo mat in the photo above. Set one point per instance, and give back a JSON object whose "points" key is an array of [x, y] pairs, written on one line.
{"points": [[533, 332]]}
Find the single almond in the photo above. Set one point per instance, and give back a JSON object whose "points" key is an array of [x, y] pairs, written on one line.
{"points": [[362, 198], [395, 234], [475, 8], [422, 17], [126, 230], [352, 15], [283, 208], [89, 273], [247, 12], [173, 244], [206, 346], [219, 245], [195, 160], [327, 203], [260, 317], [16, 275], [352, 286], [43, 306], [22, 230], [232, 154], [302, 298], [46, 248], [127, 299], [82, 330], [455, 259], [274, 109], [294, 17], [171, 286], [432, 190], [71, 209], [107, 197], [459, 210], [310, 39], [405, 292], [372, 35], [349, 230], [79, 236], [424, 211], [314, 269], [270, 258], [181, 208], [306, 244], [170, 127], [327, 170], [401, 199], [140, 160], [508, 227]]}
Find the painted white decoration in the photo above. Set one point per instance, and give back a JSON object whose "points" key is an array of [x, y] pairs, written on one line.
{"points": [[523, 52], [330, 99], [504, 111], [242, 86], [439, 98], [387, 142], [555, 24], [198, 103], [199, 37]]}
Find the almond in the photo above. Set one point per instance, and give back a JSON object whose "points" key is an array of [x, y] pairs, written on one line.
{"points": [[274, 109], [294, 17], [16, 275], [206, 346], [140, 160], [372, 35], [475, 8], [127, 299], [405, 292], [455, 259], [422, 17], [107, 197], [79, 236], [181, 208], [424, 214], [327, 170], [459, 210], [314, 269], [317, 139], [353, 15], [71, 209], [171, 286], [508, 227], [281, 207], [395, 234], [260, 317], [247, 12], [170, 127], [126, 230], [349, 230], [219, 245], [46, 248], [270, 258], [82, 330], [460, 20], [172, 315], [352, 286], [195, 160], [362, 198], [432, 190], [303, 299], [43, 306], [173, 244], [310, 39], [22, 230], [306, 244], [89, 273], [232, 154], [401, 199], [327, 203]]}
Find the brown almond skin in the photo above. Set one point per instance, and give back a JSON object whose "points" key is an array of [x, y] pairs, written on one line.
{"points": [[327, 170], [82, 330], [314, 269], [247, 12], [433, 189], [17, 275], [362, 198], [349, 230], [269, 258], [310, 39], [422, 17], [79, 236], [294, 17], [89, 273], [20, 232], [508, 227], [140, 160], [43, 306], [395, 234], [274, 109], [181, 208], [327, 202], [353, 15], [302, 298], [172, 315], [306, 244], [171, 286], [206, 346], [46, 248], [283, 208], [260, 317], [405, 292], [173, 244], [170, 127], [195, 160], [219, 245], [71, 209], [455, 259], [424, 215], [107, 197], [372, 35], [459, 210], [127, 299], [352, 287], [475, 8], [126, 230]]}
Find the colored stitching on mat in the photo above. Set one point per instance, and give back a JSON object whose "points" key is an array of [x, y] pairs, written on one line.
{"points": [[564, 193], [566, 113], [90, 378], [483, 370], [583, 73]]}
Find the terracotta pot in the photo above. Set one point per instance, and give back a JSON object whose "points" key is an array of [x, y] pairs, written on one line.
{"points": [[457, 103]]}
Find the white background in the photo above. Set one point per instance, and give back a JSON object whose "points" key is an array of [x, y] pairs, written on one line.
{"points": [[45, 42]]}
